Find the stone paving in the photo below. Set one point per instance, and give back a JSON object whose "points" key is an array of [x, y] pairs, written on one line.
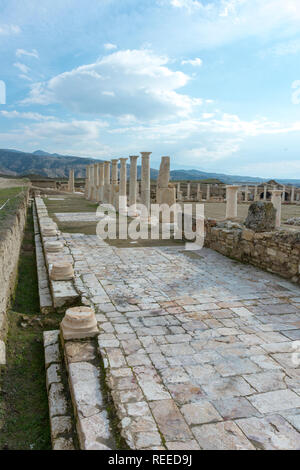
{"points": [[199, 350]]}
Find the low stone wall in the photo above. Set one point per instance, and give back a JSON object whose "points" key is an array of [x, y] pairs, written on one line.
{"points": [[277, 252], [10, 242]]}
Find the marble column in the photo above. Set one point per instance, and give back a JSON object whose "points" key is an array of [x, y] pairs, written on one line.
{"points": [[87, 175], [199, 193], [145, 180], [100, 182], [265, 192], [107, 186], [246, 193], [255, 193], [114, 182], [188, 191], [91, 185], [293, 194], [276, 200], [208, 192], [283, 194], [231, 201], [123, 186], [71, 184], [133, 185]]}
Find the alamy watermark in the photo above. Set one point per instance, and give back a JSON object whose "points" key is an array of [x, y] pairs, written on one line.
{"points": [[2, 92], [160, 221]]}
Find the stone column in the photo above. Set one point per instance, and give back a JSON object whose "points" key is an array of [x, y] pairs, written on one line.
{"points": [[91, 185], [133, 185], [199, 193], [188, 191], [100, 181], [265, 192], [123, 186], [293, 194], [255, 193], [71, 184], [86, 188], [246, 193], [107, 187], [145, 180], [208, 192], [231, 201], [276, 200], [114, 182], [283, 194]]}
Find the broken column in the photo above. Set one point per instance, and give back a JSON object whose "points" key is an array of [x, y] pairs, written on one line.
{"points": [[231, 201], [79, 323], [145, 180], [123, 186], [265, 192], [276, 201], [133, 185], [165, 194], [71, 183]]}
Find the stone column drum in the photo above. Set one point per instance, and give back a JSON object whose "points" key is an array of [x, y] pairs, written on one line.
{"points": [[231, 201]]}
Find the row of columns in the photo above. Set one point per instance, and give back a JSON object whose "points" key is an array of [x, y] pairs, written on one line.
{"points": [[232, 203], [103, 183]]}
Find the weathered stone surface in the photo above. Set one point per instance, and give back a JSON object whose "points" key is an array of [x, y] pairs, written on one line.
{"points": [[261, 217], [93, 432], [170, 421], [80, 352], [222, 436], [200, 413], [63, 444], [85, 386], [270, 433], [279, 400], [60, 425], [57, 401]]}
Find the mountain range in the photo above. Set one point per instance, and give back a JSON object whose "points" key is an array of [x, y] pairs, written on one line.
{"points": [[54, 165]]}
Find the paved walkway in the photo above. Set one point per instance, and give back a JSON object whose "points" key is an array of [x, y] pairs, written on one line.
{"points": [[199, 350]]}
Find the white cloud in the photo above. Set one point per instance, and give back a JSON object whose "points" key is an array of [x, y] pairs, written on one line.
{"points": [[213, 23], [7, 29], [23, 52], [27, 115], [135, 82], [108, 46], [296, 93], [22, 67], [194, 62]]}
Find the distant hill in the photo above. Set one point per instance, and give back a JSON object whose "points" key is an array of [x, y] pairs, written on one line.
{"points": [[17, 163]]}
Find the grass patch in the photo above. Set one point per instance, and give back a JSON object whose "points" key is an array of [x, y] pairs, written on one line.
{"points": [[24, 418], [13, 197]]}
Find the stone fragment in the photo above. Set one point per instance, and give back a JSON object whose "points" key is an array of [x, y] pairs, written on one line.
{"points": [[60, 425], [62, 271], [261, 217]]}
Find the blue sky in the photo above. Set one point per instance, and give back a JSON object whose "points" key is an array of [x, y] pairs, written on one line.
{"points": [[215, 84]]}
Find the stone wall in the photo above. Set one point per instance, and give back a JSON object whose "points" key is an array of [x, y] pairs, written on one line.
{"points": [[10, 242], [277, 252]]}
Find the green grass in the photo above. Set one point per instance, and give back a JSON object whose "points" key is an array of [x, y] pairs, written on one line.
{"points": [[16, 196], [24, 418]]}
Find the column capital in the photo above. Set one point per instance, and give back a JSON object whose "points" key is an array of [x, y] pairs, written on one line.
{"points": [[145, 154], [123, 160], [133, 157]]}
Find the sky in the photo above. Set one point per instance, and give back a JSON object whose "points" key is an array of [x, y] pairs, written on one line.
{"points": [[214, 84]]}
